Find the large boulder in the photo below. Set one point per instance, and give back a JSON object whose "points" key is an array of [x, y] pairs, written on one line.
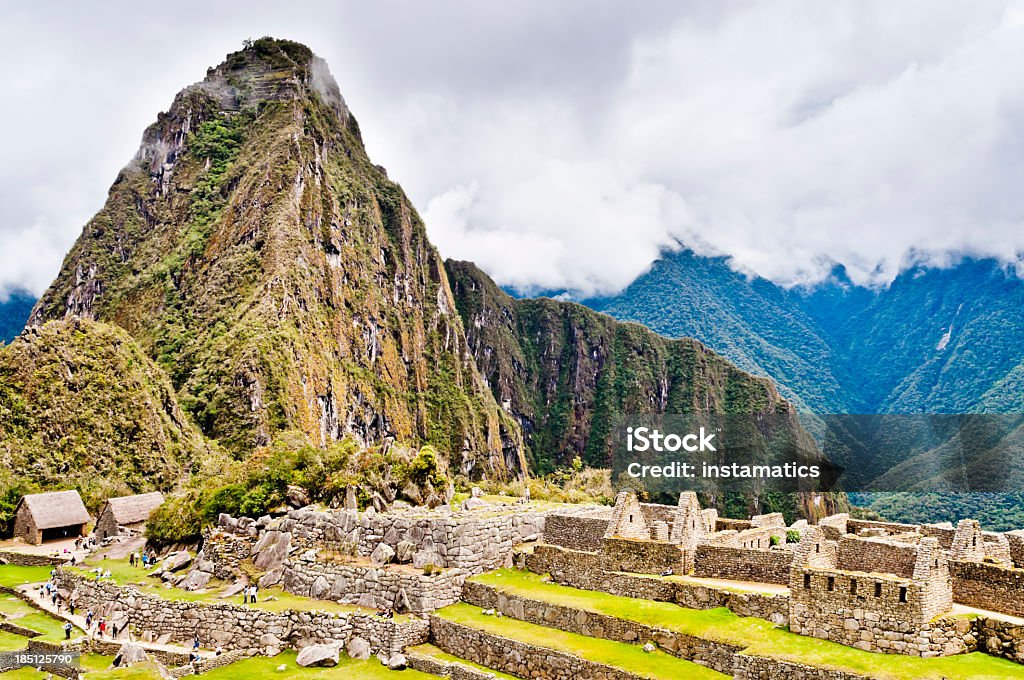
{"points": [[271, 550], [358, 648], [318, 655], [397, 662], [196, 580], [404, 551], [350, 498], [132, 653], [382, 554], [177, 561]]}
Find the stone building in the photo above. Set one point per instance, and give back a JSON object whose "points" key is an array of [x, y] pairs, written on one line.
{"points": [[127, 514], [56, 514]]}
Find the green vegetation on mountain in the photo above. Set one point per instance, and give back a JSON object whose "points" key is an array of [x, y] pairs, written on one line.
{"points": [[567, 373], [81, 406], [279, 277]]}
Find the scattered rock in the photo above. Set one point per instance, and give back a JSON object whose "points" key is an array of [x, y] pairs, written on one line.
{"points": [[404, 551], [649, 647], [131, 653], [382, 554], [357, 648], [271, 550], [177, 561], [397, 662], [318, 655]]}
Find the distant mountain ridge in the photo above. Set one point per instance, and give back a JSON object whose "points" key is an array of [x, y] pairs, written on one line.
{"points": [[934, 341], [14, 313]]}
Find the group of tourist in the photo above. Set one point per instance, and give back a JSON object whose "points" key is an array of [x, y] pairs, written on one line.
{"points": [[249, 594], [144, 559]]}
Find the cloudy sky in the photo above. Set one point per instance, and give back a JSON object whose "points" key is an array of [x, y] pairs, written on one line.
{"points": [[563, 145]]}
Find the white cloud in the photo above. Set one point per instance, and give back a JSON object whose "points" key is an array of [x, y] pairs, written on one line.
{"points": [[562, 145]]}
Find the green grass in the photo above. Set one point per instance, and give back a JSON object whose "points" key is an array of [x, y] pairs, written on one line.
{"points": [[124, 574], [428, 649], [656, 666], [759, 637], [12, 575], [255, 668], [10, 641], [52, 629]]}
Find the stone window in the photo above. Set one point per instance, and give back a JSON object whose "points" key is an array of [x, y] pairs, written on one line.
{"points": [[831, 583], [878, 589], [817, 547], [903, 593], [807, 580], [853, 586]]}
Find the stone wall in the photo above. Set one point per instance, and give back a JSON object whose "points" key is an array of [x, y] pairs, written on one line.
{"points": [[238, 627], [872, 612], [30, 560], [1016, 540], [592, 624], [474, 541], [451, 669], [1000, 638], [585, 571], [226, 550], [873, 554], [517, 658], [576, 532], [401, 588], [988, 586], [645, 557], [741, 564], [729, 524], [764, 668]]}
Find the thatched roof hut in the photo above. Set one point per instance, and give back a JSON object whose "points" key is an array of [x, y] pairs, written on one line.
{"points": [[55, 514], [129, 512]]}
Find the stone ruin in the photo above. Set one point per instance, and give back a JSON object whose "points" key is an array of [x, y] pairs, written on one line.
{"points": [[878, 586]]}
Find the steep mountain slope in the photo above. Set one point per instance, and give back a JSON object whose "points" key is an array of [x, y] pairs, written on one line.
{"points": [[81, 405], [14, 312], [750, 321], [565, 372], [279, 277], [935, 341]]}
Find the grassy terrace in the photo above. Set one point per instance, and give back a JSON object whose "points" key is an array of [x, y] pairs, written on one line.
{"points": [[758, 636], [23, 614], [430, 650], [270, 599], [656, 666], [12, 575]]}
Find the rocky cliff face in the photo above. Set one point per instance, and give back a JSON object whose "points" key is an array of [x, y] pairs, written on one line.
{"points": [[565, 372], [279, 277]]}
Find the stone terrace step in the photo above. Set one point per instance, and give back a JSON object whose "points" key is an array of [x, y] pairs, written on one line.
{"points": [[431, 659], [710, 637], [528, 650]]}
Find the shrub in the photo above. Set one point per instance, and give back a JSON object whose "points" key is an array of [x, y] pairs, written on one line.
{"points": [[774, 540], [792, 536]]}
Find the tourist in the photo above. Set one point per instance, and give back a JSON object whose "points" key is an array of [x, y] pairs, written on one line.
{"points": [[113, 631], [67, 631], [131, 560], [88, 620], [102, 627], [195, 643], [255, 590], [245, 595], [71, 606], [219, 651]]}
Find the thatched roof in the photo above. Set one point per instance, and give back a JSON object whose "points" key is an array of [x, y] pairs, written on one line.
{"points": [[132, 509], [55, 509]]}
